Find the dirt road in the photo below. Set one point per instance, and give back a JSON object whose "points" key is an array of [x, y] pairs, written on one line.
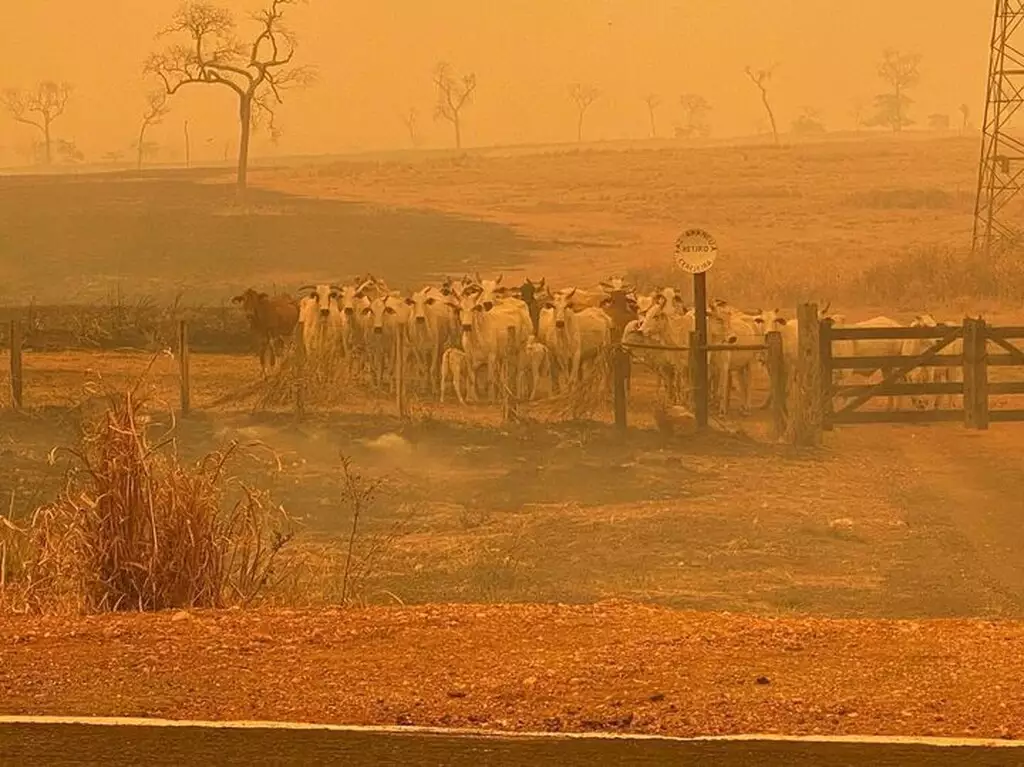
{"points": [[111, 744], [962, 496], [612, 667]]}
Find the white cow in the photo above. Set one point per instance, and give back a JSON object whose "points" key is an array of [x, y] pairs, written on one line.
{"points": [[454, 368], [915, 347], [386, 317], [485, 337], [537, 367], [428, 329], [321, 320], [573, 335], [661, 325], [738, 329], [868, 347]]}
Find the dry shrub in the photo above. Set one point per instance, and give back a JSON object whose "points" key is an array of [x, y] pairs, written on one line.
{"points": [[134, 528], [930, 198], [944, 275], [320, 382], [583, 400]]}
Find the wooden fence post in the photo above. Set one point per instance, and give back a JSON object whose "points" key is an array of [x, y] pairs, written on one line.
{"points": [[975, 361], [777, 375], [620, 369], [17, 371], [825, 355], [805, 420], [184, 368], [510, 376], [300, 371], [694, 369], [400, 372]]}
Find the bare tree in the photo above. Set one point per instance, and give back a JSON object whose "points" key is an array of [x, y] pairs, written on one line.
{"points": [[696, 109], [188, 147], [582, 96], [39, 107], [154, 113], [653, 101], [761, 78], [257, 72], [453, 94], [857, 110], [901, 71], [411, 120], [965, 123]]}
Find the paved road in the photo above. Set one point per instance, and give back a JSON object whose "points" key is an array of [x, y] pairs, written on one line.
{"points": [[58, 745]]}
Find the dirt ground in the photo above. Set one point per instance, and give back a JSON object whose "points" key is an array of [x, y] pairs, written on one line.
{"points": [[557, 511], [607, 667]]}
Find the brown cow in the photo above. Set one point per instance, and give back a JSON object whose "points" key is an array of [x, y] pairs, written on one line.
{"points": [[272, 320]]}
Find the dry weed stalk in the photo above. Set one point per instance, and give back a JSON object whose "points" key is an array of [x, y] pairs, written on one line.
{"points": [[359, 494], [133, 528], [583, 398]]}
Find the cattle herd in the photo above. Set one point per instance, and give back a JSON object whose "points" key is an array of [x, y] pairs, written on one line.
{"points": [[466, 331]]}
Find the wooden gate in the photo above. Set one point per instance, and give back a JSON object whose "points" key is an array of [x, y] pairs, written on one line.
{"points": [[969, 350], [894, 368]]}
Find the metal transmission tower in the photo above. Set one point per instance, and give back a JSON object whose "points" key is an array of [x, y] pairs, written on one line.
{"points": [[1001, 167]]}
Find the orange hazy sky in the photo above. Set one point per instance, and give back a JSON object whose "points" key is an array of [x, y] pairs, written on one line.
{"points": [[375, 61]]}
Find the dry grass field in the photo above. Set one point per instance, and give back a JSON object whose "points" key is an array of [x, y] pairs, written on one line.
{"points": [[883, 521]]}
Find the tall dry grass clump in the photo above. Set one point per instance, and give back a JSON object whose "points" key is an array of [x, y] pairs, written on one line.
{"points": [[135, 528]]}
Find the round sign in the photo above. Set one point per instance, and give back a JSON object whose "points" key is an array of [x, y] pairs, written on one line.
{"points": [[696, 251]]}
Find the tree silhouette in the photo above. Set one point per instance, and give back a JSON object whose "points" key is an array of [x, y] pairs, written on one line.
{"points": [[453, 95], [582, 96], [39, 107], [256, 72], [761, 78]]}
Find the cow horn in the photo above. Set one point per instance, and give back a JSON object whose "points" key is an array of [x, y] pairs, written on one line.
{"points": [[335, 288], [827, 307], [304, 288], [478, 277]]}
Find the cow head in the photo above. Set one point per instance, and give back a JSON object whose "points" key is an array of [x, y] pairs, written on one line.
{"points": [[490, 290], [323, 296], [418, 303], [530, 291], [469, 310], [249, 300], [382, 312], [767, 320], [562, 306]]}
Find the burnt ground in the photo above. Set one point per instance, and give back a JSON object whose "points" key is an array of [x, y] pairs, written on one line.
{"points": [[85, 238]]}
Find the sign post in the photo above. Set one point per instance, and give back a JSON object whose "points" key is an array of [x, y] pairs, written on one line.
{"points": [[696, 252]]}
